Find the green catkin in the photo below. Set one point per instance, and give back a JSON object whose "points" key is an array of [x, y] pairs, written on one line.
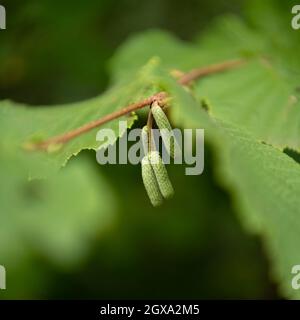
{"points": [[150, 183], [161, 175], [154, 173], [163, 124]]}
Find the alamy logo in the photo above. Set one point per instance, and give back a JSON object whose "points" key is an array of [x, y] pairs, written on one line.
{"points": [[296, 19], [2, 278], [177, 144], [296, 279], [2, 18]]}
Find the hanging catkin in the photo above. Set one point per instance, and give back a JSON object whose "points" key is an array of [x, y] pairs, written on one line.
{"points": [[150, 183], [161, 175], [165, 129]]}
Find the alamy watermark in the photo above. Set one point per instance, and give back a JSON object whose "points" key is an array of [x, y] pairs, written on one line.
{"points": [[296, 18], [188, 147], [2, 278], [295, 283], [2, 18]]}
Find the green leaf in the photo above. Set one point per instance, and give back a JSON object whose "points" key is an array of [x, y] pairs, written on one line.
{"points": [[137, 51], [257, 98], [264, 182], [262, 96], [40, 123], [57, 217]]}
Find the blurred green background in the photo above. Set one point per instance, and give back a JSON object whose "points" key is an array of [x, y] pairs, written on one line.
{"points": [[194, 246]]}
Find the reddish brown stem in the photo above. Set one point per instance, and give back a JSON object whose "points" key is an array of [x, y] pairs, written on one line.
{"points": [[150, 125], [214, 68], [94, 124], [184, 80]]}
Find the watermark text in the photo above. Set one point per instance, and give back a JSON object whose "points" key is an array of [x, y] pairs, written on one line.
{"points": [[187, 144], [2, 278], [2, 18], [296, 18]]}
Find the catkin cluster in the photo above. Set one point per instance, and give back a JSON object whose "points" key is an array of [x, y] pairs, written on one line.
{"points": [[154, 172]]}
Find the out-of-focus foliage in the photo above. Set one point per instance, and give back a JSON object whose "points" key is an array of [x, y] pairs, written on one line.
{"points": [[56, 218], [192, 247], [54, 53]]}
